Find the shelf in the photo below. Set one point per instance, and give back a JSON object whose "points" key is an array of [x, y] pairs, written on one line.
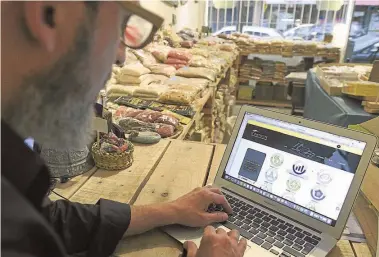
{"points": [[268, 103]]}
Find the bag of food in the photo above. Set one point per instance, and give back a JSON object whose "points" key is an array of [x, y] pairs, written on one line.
{"points": [[164, 130], [162, 69], [199, 61], [198, 82], [196, 72], [152, 78], [199, 51], [160, 52], [144, 56], [186, 44], [167, 119], [150, 91], [120, 90], [148, 116], [177, 97], [178, 66], [171, 60], [134, 69], [177, 54], [130, 58], [191, 88], [131, 124]]}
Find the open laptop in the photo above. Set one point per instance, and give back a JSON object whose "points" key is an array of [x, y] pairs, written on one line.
{"points": [[291, 183]]}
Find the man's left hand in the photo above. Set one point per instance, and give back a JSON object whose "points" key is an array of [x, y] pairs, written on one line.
{"points": [[191, 209]]}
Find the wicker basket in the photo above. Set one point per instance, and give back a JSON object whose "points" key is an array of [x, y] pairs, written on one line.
{"points": [[112, 161]]}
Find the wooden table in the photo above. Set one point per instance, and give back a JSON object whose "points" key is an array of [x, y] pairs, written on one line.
{"points": [[160, 173]]}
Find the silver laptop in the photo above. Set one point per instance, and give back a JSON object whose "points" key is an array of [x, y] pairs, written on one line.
{"points": [[291, 183]]}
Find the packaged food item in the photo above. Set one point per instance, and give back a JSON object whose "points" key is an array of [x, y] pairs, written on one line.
{"points": [[160, 52], [186, 44], [195, 72], [177, 97], [167, 119], [165, 130], [152, 78], [130, 58], [144, 56], [126, 79], [148, 116], [150, 91], [177, 54], [178, 80], [182, 119], [121, 112], [110, 143], [162, 69], [188, 88], [130, 124], [171, 60], [199, 51], [134, 69], [199, 61], [120, 90], [178, 66], [133, 102]]}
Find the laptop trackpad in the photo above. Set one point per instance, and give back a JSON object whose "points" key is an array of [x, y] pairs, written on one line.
{"points": [[182, 233]]}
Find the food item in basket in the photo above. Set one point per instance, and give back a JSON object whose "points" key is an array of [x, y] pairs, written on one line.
{"points": [[131, 124], [195, 72], [134, 69], [171, 60], [177, 97], [178, 54], [186, 44], [110, 143], [167, 119], [164, 130], [148, 116], [162, 69]]}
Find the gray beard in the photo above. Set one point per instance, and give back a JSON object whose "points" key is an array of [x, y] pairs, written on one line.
{"points": [[56, 107]]}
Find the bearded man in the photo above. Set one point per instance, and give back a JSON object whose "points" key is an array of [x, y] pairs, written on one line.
{"points": [[56, 57]]}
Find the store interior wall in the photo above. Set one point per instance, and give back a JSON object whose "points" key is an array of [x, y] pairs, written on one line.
{"points": [[190, 15]]}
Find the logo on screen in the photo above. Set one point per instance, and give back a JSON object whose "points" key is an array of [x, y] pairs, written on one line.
{"points": [[255, 133], [317, 194], [299, 168]]}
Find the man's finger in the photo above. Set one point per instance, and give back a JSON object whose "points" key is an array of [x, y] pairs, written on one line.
{"points": [[215, 190], [234, 234], [216, 217], [220, 199], [242, 246], [190, 248], [209, 230], [220, 231]]}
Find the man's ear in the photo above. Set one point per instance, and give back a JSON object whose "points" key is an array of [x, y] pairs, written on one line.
{"points": [[40, 21]]}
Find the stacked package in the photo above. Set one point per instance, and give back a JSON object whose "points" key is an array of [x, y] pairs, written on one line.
{"points": [[178, 58]]}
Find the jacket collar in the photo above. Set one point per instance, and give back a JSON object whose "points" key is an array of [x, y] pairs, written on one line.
{"points": [[23, 168]]}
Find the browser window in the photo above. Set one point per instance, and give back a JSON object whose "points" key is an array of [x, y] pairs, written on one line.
{"points": [[302, 168]]}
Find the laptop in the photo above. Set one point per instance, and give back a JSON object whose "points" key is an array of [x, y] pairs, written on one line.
{"points": [[291, 183]]}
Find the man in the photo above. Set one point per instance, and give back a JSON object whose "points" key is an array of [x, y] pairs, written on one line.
{"points": [[56, 56]]}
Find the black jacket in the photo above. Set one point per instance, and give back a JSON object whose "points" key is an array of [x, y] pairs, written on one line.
{"points": [[32, 225]]}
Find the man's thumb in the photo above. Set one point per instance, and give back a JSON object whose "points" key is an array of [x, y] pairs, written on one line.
{"points": [[190, 248]]}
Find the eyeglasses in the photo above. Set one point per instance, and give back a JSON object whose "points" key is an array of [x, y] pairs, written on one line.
{"points": [[140, 26]]}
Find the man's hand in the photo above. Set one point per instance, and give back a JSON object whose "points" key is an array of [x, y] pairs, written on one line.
{"points": [[217, 243], [192, 207]]}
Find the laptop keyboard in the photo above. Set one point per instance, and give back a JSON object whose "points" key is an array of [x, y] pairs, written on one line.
{"points": [[267, 230]]}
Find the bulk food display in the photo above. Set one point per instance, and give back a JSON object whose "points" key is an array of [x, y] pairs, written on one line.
{"points": [[165, 87]]}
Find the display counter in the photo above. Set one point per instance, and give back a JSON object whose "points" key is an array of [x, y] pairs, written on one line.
{"points": [[160, 173], [337, 110]]}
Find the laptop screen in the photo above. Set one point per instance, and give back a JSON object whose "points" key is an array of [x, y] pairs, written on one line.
{"points": [[302, 168]]}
